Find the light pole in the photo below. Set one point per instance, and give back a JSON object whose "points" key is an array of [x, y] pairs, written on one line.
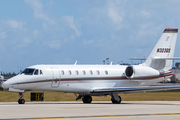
{"points": [[104, 62], [107, 60]]}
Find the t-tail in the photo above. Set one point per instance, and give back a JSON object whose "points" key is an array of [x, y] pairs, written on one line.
{"points": [[159, 62], [162, 55]]}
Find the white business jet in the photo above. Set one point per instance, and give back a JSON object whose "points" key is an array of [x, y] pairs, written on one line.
{"points": [[99, 80]]}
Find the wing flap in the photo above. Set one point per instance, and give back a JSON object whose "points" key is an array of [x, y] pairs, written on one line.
{"points": [[133, 89]]}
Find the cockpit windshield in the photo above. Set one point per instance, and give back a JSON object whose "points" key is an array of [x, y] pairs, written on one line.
{"points": [[28, 71], [36, 72]]}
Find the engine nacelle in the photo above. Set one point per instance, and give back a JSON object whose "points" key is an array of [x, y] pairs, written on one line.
{"points": [[137, 71]]}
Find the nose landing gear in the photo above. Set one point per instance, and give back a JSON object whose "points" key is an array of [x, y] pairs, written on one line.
{"points": [[21, 101]]}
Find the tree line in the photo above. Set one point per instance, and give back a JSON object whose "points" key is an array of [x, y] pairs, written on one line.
{"points": [[8, 75]]}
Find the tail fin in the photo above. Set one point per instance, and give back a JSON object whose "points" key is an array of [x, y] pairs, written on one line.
{"points": [[162, 54]]}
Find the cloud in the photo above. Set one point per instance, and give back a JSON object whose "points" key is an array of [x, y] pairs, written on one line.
{"points": [[3, 35], [71, 23], [88, 42], [56, 44], [52, 22], [114, 13], [38, 9], [15, 24], [145, 14], [44, 25], [36, 32], [25, 42]]}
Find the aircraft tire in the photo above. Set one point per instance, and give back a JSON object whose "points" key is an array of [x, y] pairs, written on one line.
{"points": [[21, 101], [115, 101], [87, 99]]}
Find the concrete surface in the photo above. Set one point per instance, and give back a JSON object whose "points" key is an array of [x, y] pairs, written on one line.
{"points": [[97, 110]]}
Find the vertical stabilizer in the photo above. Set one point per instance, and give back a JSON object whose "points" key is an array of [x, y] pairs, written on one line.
{"points": [[163, 49]]}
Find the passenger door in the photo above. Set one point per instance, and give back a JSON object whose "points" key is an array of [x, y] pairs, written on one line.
{"points": [[55, 77]]}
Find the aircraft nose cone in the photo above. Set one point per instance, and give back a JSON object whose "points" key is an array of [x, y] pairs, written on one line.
{"points": [[5, 85]]}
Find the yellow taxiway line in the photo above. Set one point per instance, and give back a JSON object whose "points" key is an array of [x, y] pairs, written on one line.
{"points": [[101, 116]]}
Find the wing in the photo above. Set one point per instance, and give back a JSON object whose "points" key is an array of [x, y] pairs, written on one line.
{"points": [[133, 89]]}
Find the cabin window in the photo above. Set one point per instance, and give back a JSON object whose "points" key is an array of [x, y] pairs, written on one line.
{"points": [[98, 72], [91, 72], [28, 71], [36, 72], [84, 72], [62, 72], [41, 72], [77, 73], [70, 72], [106, 72]]}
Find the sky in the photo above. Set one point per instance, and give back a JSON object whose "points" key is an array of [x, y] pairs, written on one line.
{"points": [[62, 31]]}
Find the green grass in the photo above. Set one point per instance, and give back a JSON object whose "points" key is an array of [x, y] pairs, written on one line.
{"points": [[1, 89], [57, 96]]}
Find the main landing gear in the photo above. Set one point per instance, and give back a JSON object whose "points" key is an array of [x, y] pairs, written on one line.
{"points": [[88, 99], [85, 98], [115, 98], [21, 101]]}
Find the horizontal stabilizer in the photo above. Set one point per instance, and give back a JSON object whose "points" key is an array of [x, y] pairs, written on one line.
{"points": [[167, 58], [133, 89]]}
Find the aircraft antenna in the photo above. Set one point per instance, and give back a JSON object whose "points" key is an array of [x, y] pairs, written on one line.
{"points": [[75, 62]]}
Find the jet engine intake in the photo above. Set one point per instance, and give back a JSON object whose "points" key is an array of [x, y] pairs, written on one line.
{"points": [[129, 72], [138, 71]]}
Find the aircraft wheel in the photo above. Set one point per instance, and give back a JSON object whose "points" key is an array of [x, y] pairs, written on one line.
{"points": [[21, 101], [115, 101], [87, 99]]}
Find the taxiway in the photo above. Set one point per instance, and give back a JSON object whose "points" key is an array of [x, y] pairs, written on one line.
{"points": [[97, 110]]}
